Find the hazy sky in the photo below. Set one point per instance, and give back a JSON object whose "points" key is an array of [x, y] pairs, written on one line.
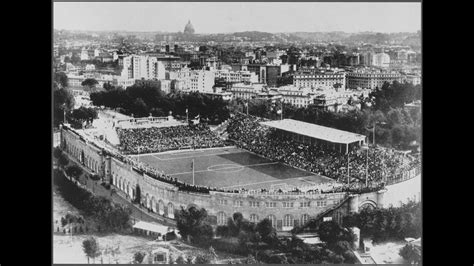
{"points": [[208, 17]]}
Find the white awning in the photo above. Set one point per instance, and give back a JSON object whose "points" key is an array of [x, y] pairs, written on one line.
{"points": [[315, 131], [152, 227]]}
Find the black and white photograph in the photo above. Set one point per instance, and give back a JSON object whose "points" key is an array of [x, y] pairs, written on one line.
{"points": [[236, 133]]}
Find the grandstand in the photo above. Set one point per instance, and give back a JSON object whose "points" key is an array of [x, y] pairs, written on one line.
{"points": [[320, 136]]}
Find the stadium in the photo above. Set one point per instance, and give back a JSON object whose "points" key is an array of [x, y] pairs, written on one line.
{"points": [[288, 171]]}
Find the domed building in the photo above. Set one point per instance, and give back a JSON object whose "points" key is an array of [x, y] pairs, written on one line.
{"points": [[189, 29]]}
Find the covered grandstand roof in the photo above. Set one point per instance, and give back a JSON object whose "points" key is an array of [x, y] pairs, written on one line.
{"points": [[315, 131], [152, 227]]}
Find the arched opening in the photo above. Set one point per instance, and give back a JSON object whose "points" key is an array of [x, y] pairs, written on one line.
{"points": [[170, 210], [288, 222], [367, 204], [221, 218], [253, 218], [272, 220], [304, 218], [161, 208], [148, 201], [153, 204]]}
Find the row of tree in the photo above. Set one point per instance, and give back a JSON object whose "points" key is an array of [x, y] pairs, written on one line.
{"points": [[394, 95], [396, 125], [260, 240], [83, 116], [114, 217], [143, 100], [388, 224]]}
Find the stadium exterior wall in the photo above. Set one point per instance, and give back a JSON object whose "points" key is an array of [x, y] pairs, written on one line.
{"points": [[286, 210]]}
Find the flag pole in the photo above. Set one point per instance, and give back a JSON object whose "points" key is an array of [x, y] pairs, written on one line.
{"points": [[193, 172]]}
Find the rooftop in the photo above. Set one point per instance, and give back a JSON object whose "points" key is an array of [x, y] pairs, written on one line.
{"points": [[315, 131]]}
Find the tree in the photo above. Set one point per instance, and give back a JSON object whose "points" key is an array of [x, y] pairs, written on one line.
{"points": [[108, 87], [57, 152], [181, 259], [91, 248], [203, 235], [90, 83], [251, 260], [212, 255], [63, 102], [74, 171], [138, 194], [411, 253], [266, 231], [190, 220], [330, 232], [81, 115], [61, 79], [202, 259], [138, 257], [222, 230], [63, 160], [139, 108]]}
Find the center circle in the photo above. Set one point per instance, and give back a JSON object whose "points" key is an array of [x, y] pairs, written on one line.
{"points": [[226, 168]]}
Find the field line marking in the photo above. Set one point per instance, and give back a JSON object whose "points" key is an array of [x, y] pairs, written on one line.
{"points": [[157, 157], [233, 167], [197, 155]]}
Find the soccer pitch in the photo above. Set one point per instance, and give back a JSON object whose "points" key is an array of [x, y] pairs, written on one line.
{"points": [[229, 168]]}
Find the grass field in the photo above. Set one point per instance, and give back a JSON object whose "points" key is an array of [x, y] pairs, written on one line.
{"points": [[230, 168]]}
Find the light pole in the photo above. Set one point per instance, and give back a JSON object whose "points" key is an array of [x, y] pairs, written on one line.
{"points": [[366, 147], [281, 109], [373, 130], [348, 168]]}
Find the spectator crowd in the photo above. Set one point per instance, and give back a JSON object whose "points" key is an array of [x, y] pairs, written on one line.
{"points": [[383, 164], [159, 139]]}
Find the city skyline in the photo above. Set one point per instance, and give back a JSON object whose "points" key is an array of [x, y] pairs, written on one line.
{"points": [[238, 17]]}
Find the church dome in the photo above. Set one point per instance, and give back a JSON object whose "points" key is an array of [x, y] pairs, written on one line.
{"points": [[189, 29]]}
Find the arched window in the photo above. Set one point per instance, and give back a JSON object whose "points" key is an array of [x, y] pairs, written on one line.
{"points": [[161, 207], [153, 204], [304, 218], [253, 218], [170, 210], [147, 201], [221, 218], [288, 220], [272, 219]]}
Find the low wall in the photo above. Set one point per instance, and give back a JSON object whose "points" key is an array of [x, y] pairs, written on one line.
{"points": [[403, 192]]}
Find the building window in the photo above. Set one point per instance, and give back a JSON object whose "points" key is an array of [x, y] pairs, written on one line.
{"points": [[221, 218], [304, 204], [253, 218], [270, 204], [288, 205], [222, 202], [254, 204], [304, 218], [321, 203], [238, 203], [272, 220], [288, 220]]}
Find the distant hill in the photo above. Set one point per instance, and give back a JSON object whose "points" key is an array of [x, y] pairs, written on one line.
{"points": [[401, 38]]}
